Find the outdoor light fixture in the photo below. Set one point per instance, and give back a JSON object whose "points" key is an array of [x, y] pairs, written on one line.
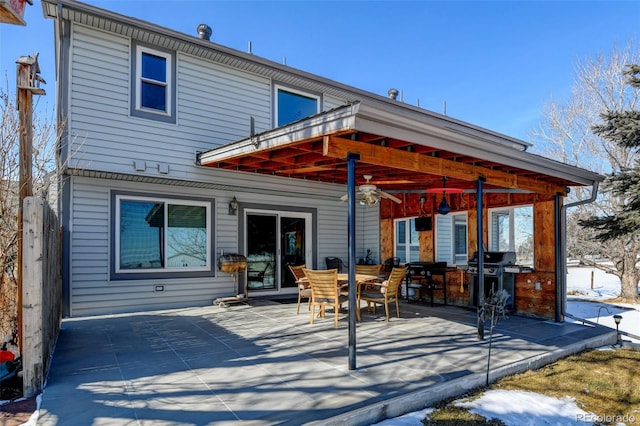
{"points": [[233, 206], [444, 207], [617, 319], [369, 199]]}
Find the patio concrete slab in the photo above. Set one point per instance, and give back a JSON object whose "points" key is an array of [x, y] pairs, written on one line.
{"points": [[261, 364]]}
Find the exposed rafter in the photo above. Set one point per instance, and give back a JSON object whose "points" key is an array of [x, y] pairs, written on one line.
{"points": [[337, 147]]}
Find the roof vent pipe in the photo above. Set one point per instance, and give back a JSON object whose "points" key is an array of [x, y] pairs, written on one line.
{"points": [[204, 31], [393, 93]]}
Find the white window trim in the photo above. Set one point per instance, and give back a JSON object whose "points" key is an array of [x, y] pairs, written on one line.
{"points": [[512, 221], [407, 242], [165, 201], [451, 255], [453, 232], [278, 87], [139, 79]]}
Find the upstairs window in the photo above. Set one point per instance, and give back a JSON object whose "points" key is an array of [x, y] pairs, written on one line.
{"points": [[154, 84], [292, 105]]}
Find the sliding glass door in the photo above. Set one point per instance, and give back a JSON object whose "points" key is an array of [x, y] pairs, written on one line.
{"points": [[275, 240]]}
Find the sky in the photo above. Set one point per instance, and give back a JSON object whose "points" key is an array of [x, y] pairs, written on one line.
{"points": [[493, 64]]}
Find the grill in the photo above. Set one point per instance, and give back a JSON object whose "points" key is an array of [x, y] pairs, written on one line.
{"points": [[419, 278], [495, 276]]}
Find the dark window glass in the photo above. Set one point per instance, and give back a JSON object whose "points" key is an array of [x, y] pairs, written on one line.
{"points": [[460, 238], [141, 235], [154, 67], [293, 107], [153, 96], [153, 84]]}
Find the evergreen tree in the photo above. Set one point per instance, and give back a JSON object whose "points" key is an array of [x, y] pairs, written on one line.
{"points": [[623, 224], [623, 128]]}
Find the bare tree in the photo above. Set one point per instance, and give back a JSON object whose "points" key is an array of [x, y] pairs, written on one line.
{"points": [[43, 176], [566, 133]]}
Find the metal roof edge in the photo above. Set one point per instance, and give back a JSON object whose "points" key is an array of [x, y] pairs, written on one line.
{"points": [[332, 121], [365, 117], [277, 71], [475, 145]]}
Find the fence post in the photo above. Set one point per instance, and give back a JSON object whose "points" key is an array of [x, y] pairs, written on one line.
{"points": [[32, 297]]}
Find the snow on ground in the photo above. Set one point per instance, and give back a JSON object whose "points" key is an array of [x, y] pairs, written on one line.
{"points": [[587, 303], [517, 408], [527, 408], [514, 408]]}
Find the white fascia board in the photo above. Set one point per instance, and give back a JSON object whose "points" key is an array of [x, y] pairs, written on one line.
{"points": [[486, 146], [339, 119]]}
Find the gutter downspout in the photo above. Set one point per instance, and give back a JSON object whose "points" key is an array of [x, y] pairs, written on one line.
{"points": [[561, 253]]}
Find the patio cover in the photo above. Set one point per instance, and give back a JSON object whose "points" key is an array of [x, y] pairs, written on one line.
{"points": [[405, 148]]}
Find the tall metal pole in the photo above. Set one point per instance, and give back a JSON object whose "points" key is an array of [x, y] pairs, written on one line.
{"points": [[559, 254], [351, 194], [480, 233]]}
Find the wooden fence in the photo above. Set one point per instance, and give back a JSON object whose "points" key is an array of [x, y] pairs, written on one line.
{"points": [[41, 291]]}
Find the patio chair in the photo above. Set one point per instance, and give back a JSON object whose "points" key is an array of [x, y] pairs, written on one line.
{"points": [[325, 292], [368, 269], [258, 276], [373, 270], [334, 263], [388, 265], [384, 293], [304, 289]]}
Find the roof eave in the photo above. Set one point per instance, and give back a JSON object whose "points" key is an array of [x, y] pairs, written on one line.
{"points": [[394, 123]]}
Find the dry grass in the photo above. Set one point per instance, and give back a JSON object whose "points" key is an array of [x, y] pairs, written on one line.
{"points": [[605, 383]]}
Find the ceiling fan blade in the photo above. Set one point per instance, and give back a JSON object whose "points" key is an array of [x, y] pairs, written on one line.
{"points": [[389, 196]]}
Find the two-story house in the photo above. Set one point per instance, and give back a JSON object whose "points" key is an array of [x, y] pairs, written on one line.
{"points": [[177, 150]]}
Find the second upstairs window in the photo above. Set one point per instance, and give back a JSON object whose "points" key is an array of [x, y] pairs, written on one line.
{"points": [[292, 105]]}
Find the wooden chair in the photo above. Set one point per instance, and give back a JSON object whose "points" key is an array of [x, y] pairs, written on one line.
{"points": [[385, 292], [304, 290], [368, 269], [325, 292]]}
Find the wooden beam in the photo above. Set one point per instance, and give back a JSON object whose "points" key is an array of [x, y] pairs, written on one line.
{"points": [[337, 147], [309, 169]]}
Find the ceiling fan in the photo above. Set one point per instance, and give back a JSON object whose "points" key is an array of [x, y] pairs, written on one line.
{"points": [[371, 194]]}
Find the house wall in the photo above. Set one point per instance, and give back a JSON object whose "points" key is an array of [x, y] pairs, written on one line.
{"points": [[214, 104], [92, 292], [531, 299]]}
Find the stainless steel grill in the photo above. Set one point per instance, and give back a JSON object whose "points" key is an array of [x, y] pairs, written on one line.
{"points": [[495, 276]]}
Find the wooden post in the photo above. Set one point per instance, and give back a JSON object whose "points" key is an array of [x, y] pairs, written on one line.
{"points": [[32, 349], [28, 84]]}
